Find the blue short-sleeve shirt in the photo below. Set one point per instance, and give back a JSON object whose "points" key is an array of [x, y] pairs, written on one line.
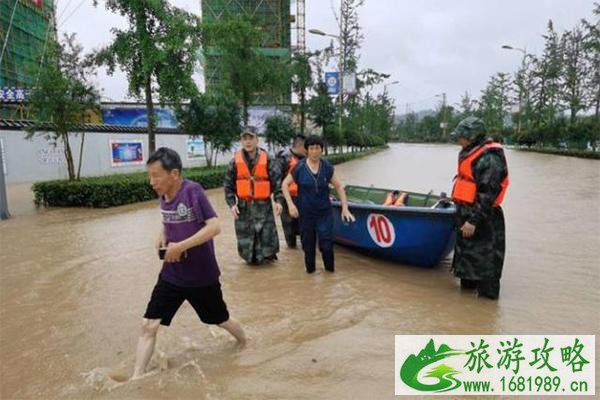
{"points": [[313, 189]]}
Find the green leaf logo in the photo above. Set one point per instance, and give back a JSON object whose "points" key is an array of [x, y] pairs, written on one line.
{"points": [[411, 367]]}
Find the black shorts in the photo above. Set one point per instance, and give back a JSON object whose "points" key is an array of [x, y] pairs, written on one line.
{"points": [[206, 300]]}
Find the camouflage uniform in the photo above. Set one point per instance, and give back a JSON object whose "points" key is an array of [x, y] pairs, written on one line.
{"points": [[478, 260], [290, 225], [255, 227]]}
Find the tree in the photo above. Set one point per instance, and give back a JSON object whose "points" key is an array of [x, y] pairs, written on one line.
{"points": [[547, 73], [467, 105], [349, 41], [574, 71], [592, 57], [301, 72], [323, 114], [233, 43], [279, 130], [350, 34], [523, 81], [158, 52], [494, 103], [62, 94], [216, 117]]}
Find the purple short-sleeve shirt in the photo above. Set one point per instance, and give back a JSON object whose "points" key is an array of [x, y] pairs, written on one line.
{"points": [[182, 217]]}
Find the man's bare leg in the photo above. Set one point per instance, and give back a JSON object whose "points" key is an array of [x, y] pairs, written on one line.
{"points": [[235, 329], [145, 346]]}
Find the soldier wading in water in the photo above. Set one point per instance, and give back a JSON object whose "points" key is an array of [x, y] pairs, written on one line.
{"points": [[251, 178], [478, 192]]}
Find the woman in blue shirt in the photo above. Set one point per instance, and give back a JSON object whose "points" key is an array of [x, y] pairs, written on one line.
{"points": [[313, 176]]}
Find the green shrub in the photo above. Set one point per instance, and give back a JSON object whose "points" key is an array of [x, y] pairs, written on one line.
{"points": [[116, 190], [113, 190], [561, 152]]}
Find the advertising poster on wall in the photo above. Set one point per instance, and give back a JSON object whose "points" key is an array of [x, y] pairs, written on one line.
{"points": [[126, 152], [195, 148], [130, 116]]}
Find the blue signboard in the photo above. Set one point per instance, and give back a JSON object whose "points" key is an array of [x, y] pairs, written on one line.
{"points": [[332, 80], [138, 117], [13, 95]]}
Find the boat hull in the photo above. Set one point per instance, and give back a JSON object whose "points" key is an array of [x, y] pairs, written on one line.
{"points": [[409, 235]]}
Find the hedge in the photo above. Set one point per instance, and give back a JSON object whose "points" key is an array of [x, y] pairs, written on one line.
{"points": [[116, 190], [113, 190], [562, 152]]}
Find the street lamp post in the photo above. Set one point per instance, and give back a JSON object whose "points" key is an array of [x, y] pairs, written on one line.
{"points": [[444, 123], [524, 51], [4, 214], [341, 73], [389, 84]]}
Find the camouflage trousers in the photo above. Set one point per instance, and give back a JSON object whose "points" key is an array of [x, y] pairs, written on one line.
{"points": [[256, 231], [481, 257], [291, 226]]}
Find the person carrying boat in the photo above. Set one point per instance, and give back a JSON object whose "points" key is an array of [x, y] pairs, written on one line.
{"points": [[313, 176], [396, 199], [287, 160], [251, 178], [478, 192]]}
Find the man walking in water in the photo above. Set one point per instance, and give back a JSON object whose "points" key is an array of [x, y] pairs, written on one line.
{"points": [[190, 271]]}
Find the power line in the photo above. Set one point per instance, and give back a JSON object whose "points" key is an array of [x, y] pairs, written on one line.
{"points": [[58, 17], [70, 15]]}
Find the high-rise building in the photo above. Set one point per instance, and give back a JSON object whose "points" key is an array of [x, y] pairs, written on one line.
{"points": [[25, 27], [271, 16]]}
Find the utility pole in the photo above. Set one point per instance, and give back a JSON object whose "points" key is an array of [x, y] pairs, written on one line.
{"points": [[4, 214], [341, 68]]}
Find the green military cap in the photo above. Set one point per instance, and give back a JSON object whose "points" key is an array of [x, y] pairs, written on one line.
{"points": [[249, 130], [469, 128]]}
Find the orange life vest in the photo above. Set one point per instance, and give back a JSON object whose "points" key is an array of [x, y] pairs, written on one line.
{"points": [[293, 186], [255, 185], [399, 201], [465, 188]]}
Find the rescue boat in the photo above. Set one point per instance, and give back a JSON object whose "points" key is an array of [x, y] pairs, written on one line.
{"points": [[420, 233]]}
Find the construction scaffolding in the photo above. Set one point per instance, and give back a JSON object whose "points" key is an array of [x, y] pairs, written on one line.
{"points": [[25, 26], [271, 16], [300, 27]]}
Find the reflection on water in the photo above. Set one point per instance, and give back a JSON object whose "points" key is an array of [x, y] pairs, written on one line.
{"points": [[74, 284]]}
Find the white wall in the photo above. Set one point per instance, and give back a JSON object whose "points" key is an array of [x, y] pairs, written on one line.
{"points": [[38, 160]]}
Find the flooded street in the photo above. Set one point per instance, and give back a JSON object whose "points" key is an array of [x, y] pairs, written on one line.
{"points": [[74, 284]]}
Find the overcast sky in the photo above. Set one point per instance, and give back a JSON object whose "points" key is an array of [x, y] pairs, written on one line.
{"points": [[429, 46]]}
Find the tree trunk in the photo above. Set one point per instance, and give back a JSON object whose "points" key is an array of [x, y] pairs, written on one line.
{"points": [[207, 154], [302, 113], [245, 104], [597, 103], [80, 155], [150, 113], [68, 156]]}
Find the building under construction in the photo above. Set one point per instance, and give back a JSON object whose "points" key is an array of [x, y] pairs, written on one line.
{"points": [[271, 16], [25, 26]]}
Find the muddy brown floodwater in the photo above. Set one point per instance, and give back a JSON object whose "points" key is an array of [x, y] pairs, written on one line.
{"points": [[74, 284]]}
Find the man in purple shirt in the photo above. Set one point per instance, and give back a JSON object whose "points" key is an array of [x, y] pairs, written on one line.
{"points": [[190, 271]]}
